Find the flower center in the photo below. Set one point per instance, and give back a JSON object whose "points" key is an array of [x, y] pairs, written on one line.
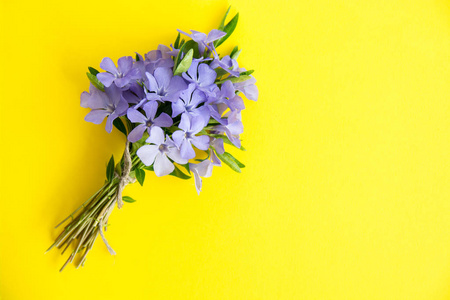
{"points": [[149, 123], [163, 148], [188, 135]]}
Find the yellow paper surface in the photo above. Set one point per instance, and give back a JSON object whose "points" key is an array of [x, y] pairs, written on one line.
{"points": [[346, 190]]}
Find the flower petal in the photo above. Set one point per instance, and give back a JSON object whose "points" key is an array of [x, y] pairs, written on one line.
{"points": [[108, 65], [106, 78], [163, 120], [156, 136], [186, 150], [96, 116], [147, 154], [136, 134], [163, 166]]}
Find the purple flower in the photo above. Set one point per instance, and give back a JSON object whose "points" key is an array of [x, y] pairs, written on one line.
{"points": [[147, 122], [109, 104], [233, 129], [185, 137], [204, 40], [163, 86], [201, 75], [249, 88], [227, 94], [158, 153], [228, 64], [160, 58], [122, 75], [188, 103], [134, 94]]}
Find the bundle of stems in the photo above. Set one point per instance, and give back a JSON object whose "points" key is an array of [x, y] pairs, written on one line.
{"points": [[90, 219]]}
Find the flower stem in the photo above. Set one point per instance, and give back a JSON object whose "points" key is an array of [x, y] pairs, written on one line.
{"points": [[88, 220]]}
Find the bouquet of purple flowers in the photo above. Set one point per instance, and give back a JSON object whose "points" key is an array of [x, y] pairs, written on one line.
{"points": [[167, 103]]}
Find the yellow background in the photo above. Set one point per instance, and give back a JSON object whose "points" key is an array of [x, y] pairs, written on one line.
{"points": [[346, 190]]}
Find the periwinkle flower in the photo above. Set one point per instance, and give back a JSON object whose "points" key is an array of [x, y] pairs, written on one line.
{"points": [[121, 75], [204, 40], [202, 169], [248, 87], [160, 58], [227, 94], [186, 137], [233, 129], [147, 121], [201, 75], [159, 153], [109, 104], [189, 102], [228, 64], [163, 86]]}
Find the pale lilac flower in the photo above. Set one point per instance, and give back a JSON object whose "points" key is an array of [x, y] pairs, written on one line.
{"points": [[228, 64], [204, 40], [121, 75], [204, 169], [134, 94], [159, 153], [109, 104], [233, 129], [185, 137], [147, 122], [189, 102], [227, 94], [248, 87], [160, 58], [201, 75], [163, 86]]}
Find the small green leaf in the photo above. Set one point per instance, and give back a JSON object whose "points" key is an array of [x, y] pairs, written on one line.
{"points": [[185, 63], [229, 28], [186, 166], [234, 51], [235, 79], [191, 45], [220, 72], [119, 125], [229, 161], [95, 82], [140, 176], [148, 168], [247, 72], [128, 199], [137, 57], [222, 23], [182, 43], [241, 165], [110, 169], [177, 42], [178, 173], [93, 71]]}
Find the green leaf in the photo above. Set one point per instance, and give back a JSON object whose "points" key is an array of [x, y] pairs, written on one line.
{"points": [[234, 51], [178, 173], [246, 72], [235, 79], [128, 199], [241, 165], [186, 166], [191, 45], [110, 169], [137, 57], [93, 71], [93, 79], [119, 125], [148, 168], [140, 176], [182, 43], [185, 63], [220, 72], [222, 23], [229, 161], [229, 28], [177, 42]]}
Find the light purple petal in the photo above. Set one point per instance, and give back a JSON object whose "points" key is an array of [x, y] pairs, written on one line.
{"points": [[197, 124], [163, 76], [135, 116], [177, 108], [206, 75], [152, 85], [163, 120], [214, 35], [156, 136], [96, 116], [147, 154], [163, 166], [121, 82], [178, 137], [198, 180], [175, 155], [185, 122], [150, 109], [125, 64], [201, 142], [186, 150], [106, 78], [136, 134], [108, 65], [109, 122]]}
